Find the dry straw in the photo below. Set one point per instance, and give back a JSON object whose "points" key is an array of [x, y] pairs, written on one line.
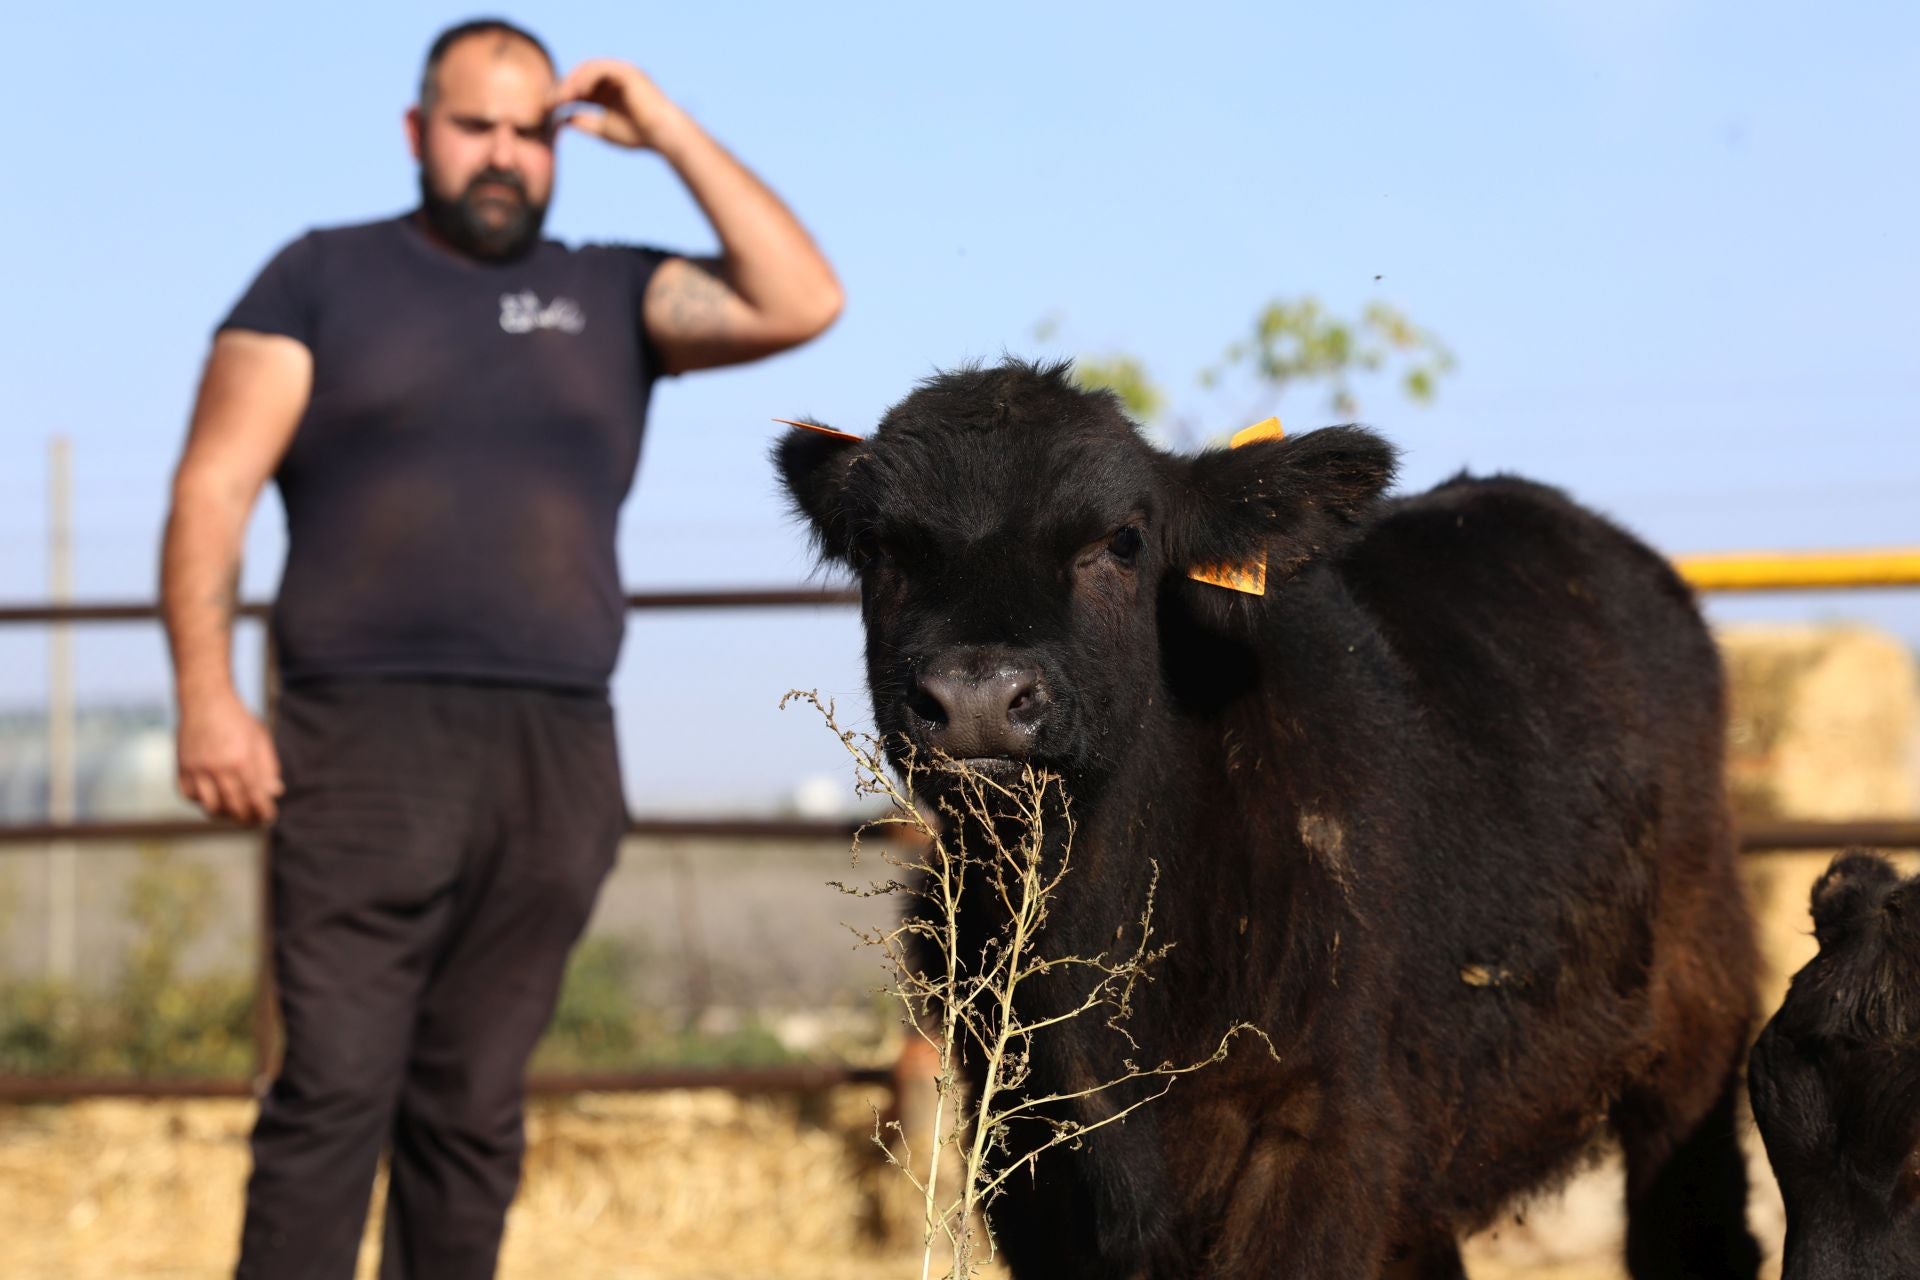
{"points": [[682, 1186], [1003, 840]]}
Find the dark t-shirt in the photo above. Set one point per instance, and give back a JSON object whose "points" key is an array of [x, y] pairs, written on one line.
{"points": [[453, 489]]}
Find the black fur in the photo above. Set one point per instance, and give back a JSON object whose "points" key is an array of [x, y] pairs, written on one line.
{"points": [[1442, 813], [1835, 1081]]}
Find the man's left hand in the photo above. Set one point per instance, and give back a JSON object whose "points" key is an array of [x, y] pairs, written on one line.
{"points": [[632, 110]]}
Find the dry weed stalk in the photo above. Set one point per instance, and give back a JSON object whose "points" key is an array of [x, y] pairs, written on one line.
{"points": [[964, 1004]]}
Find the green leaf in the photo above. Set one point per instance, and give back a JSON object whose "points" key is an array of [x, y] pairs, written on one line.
{"points": [[1125, 376]]}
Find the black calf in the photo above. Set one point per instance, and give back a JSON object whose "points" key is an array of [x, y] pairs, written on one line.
{"points": [[1835, 1080]]}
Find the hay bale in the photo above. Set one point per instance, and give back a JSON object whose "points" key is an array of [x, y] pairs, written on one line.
{"points": [[1823, 722], [676, 1185], [122, 1188], [692, 1174]]}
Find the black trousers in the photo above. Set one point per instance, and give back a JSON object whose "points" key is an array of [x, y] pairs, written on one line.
{"points": [[438, 851]]}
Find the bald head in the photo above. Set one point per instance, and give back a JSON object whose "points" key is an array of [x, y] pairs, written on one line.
{"points": [[493, 37]]}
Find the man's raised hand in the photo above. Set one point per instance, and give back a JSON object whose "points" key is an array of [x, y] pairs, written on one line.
{"points": [[632, 112]]}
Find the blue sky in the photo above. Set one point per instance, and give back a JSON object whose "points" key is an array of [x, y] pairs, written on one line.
{"points": [[1670, 243]]}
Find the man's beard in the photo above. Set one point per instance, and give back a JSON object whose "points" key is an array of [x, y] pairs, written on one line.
{"points": [[460, 223]]}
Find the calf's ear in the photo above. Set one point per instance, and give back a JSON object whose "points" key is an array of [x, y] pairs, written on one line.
{"points": [[814, 463], [1279, 502], [1850, 884]]}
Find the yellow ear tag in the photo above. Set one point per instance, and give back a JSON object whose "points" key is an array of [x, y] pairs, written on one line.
{"points": [[814, 426], [1251, 577], [1269, 429]]}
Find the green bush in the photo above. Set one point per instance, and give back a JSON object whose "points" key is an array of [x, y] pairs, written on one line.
{"points": [[202, 1029], [597, 1024], [151, 1022]]}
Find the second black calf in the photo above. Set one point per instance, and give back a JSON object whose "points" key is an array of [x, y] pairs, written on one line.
{"points": [[1835, 1081]]}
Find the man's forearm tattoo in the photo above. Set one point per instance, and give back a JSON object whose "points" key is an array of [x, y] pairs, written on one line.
{"points": [[226, 596]]}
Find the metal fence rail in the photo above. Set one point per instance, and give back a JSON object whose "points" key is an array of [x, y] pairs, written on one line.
{"points": [[639, 601], [800, 1078], [1751, 572], [1801, 570], [85, 833], [1767, 837]]}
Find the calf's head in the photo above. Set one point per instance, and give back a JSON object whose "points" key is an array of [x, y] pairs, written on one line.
{"points": [[1019, 546], [1835, 1081]]}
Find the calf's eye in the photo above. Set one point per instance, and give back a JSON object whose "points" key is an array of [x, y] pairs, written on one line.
{"points": [[869, 550], [1125, 544]]}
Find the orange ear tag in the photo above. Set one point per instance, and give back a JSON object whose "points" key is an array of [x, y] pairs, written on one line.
{"points": [[814, 426], [1251, 577]]}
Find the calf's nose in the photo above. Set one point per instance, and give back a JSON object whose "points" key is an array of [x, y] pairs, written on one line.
{"points": [[968, 716]]}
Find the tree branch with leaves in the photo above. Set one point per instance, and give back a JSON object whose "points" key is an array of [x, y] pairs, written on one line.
{"points": [[1291, 342]]}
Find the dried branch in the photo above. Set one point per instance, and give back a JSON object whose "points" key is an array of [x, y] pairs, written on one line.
{"points": [[961, 1005]]}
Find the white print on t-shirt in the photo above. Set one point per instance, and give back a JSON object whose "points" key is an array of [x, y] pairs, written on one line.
{"points": [[522, 313]]}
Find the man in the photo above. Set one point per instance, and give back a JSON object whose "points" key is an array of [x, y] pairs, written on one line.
{"points": [[452, 408]]}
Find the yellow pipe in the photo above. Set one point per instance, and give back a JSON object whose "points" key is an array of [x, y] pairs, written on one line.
{"points": [[1801, 570]]}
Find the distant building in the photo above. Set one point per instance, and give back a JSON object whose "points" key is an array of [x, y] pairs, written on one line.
{"points": [[123, 764]]}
